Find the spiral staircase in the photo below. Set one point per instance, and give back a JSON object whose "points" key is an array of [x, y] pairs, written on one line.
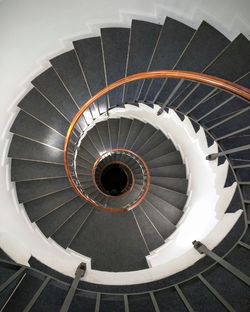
{"points": [[111, 181]]}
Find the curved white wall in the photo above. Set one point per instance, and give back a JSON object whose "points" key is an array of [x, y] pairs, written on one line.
{"points": [[33, 31]]}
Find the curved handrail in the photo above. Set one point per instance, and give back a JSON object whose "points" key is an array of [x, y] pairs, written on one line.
{"points": [[212, 81]]}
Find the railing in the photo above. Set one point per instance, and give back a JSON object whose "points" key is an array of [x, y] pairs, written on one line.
{"points": [[215, 82]]}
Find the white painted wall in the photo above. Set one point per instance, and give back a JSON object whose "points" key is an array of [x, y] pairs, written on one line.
{"points": [[33, 31]]}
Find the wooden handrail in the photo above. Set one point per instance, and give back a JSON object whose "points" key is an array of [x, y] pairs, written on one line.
{"points": [[212, 81]]}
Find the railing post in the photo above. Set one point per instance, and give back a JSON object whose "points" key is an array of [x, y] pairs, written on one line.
{"points": [[202, 249], [80, 271]]}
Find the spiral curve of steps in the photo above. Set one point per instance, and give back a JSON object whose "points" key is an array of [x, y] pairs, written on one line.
{"points": [[120, 242]]}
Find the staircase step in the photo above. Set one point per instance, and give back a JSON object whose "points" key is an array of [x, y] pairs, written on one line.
{"points": [[51, 298], [23, 294], [173, 158], [237, 123], [89, 53], [24, 170], [150, 143], [44, 205], [68, 68], [151, 235], [88, 145], [173, 40], [95, 138], [31, 190], [124, 126], [206, 44], [66, 232], [175, 184], [29, 127], [114, 235], [103, 130], [172, 213], [175, 198], [115, 48], [51, 87], [36, 105], [143, 40], [232, 64], [174, 171], [49, 223], [135, 128], [220, 103], [162, 149], [146, 132], [113, 125], [21, 148], [164, 226]]}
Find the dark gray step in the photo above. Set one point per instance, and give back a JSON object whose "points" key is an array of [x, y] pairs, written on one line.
{"points": [[90, 189], [65, 233], [121, 201], [141, 303], [237, 123], [88, 145], [111, 303], [151, 235], [173, 40], [162, 149], [124, 126], [44, 205], [173, 158], [85, 178], [21, 148], [231, 106], [83, 168], [50, 223], [103, 131], [23, 294], [89, 52], [196, 285], [174, 171], [51, 298], [91, 240], [220, 102], [172, 213], [232, 64], [146, 132], [162, 224], [135, 128], [36, 105], [204, 47], [95, 138], [68, 68], [23, 170], [151, 142], [113, 125], [240, 292], [87, 301], [143, 40], [8, 286], [30, 190], [115, 48], [86, 184], [175, 184], [169, 297], [49, 84], [84, 155], [175, 198], [29, 127]]}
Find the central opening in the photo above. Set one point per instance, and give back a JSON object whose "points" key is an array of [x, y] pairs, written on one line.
{"points": [[114, 179]]}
